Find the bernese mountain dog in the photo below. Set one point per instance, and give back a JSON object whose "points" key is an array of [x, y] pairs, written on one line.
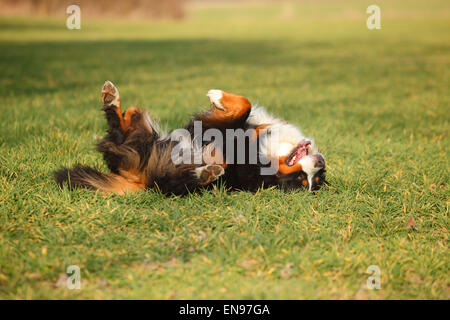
{"points": [[235, 142]]}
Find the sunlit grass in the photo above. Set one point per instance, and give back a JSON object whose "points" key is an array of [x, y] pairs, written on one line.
{"points": [[376, 102]]}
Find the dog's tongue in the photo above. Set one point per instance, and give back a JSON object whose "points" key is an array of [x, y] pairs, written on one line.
{"points": [[302, 151]]}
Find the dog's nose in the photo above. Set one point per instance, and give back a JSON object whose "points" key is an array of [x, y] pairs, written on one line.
{"points": [[319, 161]]}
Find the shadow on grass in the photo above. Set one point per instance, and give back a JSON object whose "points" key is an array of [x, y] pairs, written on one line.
{"points": [[37, 68]]}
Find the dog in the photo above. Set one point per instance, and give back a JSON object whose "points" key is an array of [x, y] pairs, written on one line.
{"points": [[270, 151]]}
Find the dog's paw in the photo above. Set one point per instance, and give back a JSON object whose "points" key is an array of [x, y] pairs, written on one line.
{"points": [[231, 105], [209, 173], [110, 95], [215, 96]]}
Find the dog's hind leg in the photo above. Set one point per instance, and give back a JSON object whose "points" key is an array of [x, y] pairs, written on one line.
{"points": [[111, 143], [127, 122], [113, 113], [127, 132], [124, 148], [112, 106]]}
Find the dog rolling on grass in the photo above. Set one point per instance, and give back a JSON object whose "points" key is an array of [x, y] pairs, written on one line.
{"points": [[140, 156]]}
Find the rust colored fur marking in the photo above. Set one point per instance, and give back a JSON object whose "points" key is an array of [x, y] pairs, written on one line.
{"points": [[285, 169], [258, 131], [226, 107], [127, 129], [138, 153], [121, 185], [259, 128]]}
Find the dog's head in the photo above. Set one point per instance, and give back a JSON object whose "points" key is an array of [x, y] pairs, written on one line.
{"points": [[300, 165]]}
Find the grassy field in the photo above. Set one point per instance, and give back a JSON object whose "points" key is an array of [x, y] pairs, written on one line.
{"points": [[376, 102]]}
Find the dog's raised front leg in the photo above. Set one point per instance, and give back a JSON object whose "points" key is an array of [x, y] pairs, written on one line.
{"points": [[228, 110]]}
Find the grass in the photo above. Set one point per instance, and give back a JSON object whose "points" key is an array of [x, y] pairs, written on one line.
{"points": [[377, 103]]}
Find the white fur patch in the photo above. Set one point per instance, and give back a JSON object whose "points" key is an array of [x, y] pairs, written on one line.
{"points": [[285, 148], [280, 137], [215, 96], [199, 170], [278, 134], [308, 166], [259, 116]]}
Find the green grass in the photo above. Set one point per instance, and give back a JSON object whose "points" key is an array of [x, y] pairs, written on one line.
{"points": [[377, 103]]}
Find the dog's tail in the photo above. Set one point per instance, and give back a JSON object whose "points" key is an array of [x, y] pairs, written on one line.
{"points": [[92, 179]]}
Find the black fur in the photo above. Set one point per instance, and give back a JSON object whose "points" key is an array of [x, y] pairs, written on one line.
{"points": [[142, 152], [115, 136], [79, 177]]}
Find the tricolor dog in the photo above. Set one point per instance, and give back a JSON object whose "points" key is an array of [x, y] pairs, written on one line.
{"points": [[242, 145]]}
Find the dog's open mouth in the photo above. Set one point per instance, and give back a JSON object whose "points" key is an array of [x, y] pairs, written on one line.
{"points": [[299, 152]]}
